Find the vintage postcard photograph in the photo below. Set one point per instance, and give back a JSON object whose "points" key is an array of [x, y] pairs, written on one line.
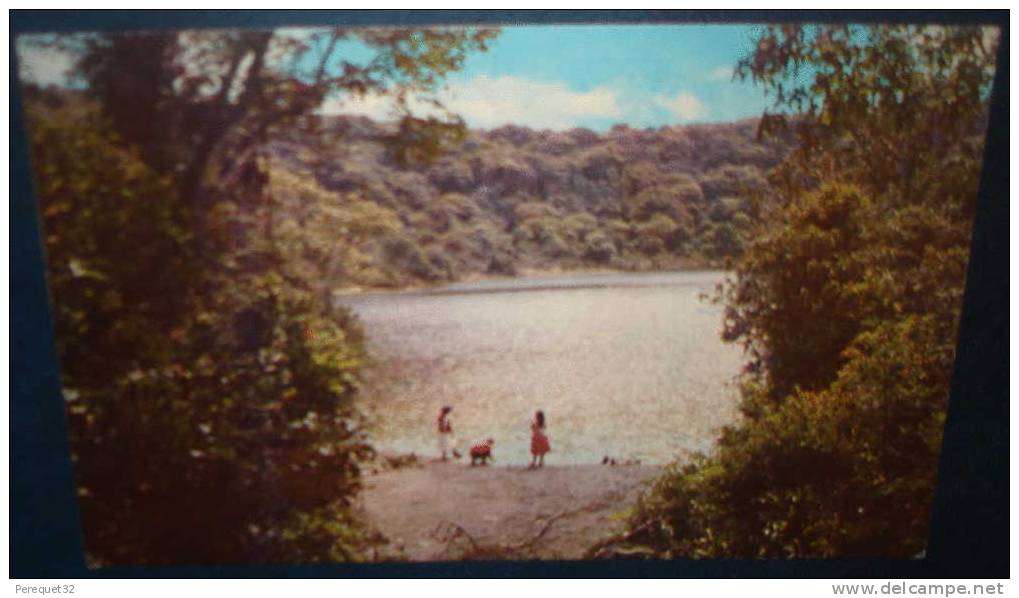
{"points": [[532, 292]]}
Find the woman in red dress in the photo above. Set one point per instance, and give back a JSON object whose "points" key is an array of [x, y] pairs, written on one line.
{"points": [[539, 441]]}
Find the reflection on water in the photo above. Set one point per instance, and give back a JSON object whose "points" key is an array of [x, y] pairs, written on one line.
{"points": [[629, 365]]}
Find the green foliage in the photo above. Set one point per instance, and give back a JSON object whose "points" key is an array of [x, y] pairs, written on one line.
{"points": [[724, 241], [600, 248], [731, 180], [844, 472], [513, 198], [407, 256], [207, 413], [823, 299], [656, 233], [579, 225], [846, 299], [210, 381], [328, 236], [100, 203], [195, 103], [423, 140]]}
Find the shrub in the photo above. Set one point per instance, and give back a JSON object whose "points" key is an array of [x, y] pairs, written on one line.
{"points": [[209, 414]]}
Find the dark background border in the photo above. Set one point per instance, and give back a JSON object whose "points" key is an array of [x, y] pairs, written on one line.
{"points": [[969, 536]]}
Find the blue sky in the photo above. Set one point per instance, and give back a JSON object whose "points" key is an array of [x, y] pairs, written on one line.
{"points": [[595, 76], [561, 77]]}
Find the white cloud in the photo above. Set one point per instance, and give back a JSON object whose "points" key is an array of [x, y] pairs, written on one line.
{"points": [[683, 106], [489, 102], [722, 73], [43, 65], [373, 106]]}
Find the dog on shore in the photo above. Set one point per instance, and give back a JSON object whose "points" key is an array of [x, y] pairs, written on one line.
{"points": [[482, 451]]}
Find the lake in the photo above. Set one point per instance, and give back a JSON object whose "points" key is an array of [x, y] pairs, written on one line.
{"points": [[627, 365]]}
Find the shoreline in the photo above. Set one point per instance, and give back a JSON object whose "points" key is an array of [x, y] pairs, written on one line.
{"points": [[524, 274]]}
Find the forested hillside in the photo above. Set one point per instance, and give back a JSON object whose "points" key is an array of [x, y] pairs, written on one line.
{"points": [[513, 199]]}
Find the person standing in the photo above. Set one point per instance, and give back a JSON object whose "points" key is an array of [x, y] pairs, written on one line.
{"points": [[447, 441], [539, 441]]}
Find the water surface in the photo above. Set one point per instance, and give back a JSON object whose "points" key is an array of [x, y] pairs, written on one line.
{"points": [[628, 365]]}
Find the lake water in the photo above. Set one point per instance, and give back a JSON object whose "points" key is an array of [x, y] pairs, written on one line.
{"points": [[627, 365]]}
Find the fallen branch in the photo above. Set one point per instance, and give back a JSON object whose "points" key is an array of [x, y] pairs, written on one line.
{"points": [[611, 546], [448, 533]]}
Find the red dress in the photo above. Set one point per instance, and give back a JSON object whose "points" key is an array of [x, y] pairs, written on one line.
{"points": [[539, 441]]}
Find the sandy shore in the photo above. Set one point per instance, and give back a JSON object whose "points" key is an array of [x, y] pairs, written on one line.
{"points": [[449, 511]]}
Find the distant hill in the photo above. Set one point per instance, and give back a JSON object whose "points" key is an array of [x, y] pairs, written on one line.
{"points": [[514, 199], [506, 201]]}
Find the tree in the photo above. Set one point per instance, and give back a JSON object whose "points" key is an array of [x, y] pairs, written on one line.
{"points": [[847, 301], [896, 112], [211, 384], [323, 233], [217, 95]]}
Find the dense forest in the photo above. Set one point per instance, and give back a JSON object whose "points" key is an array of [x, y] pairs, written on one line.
{"points": [[209, 381], [847, 302], [513, 199], [198, 213]]}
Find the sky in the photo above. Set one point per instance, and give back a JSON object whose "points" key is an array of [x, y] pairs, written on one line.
{"points": [[562, 77], [596, 76]]}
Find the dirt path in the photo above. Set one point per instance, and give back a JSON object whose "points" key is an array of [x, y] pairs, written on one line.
{"points": [[448, 511]]}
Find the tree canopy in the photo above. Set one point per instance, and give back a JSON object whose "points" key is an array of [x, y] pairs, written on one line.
{"points": [[211, 385], [847, 301]]}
